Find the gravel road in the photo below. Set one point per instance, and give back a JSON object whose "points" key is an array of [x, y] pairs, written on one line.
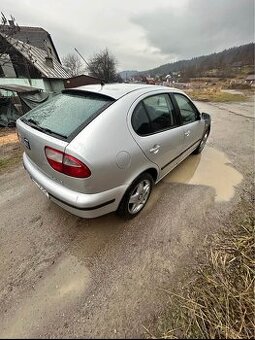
{"points": [[62, 276]]}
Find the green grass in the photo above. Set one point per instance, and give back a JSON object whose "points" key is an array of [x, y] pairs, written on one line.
{"points": [[215, 96], [218, 303]]}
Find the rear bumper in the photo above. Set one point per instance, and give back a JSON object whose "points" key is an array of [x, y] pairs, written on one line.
{"points": [[79, 204]]}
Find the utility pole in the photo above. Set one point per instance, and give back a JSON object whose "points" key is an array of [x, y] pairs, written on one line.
{"points": [[81, 56]]}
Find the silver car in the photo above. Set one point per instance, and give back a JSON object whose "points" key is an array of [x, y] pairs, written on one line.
{"points": [[101, 148]]}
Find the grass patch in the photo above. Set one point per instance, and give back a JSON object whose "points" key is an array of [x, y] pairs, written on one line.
{"points": [[218, 303], [10, 158], [215, 96]]}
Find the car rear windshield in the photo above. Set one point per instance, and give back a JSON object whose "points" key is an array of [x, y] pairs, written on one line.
{"points": [[66, 114]]}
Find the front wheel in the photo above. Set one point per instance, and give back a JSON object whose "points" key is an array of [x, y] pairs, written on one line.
{"points": [[136, 197], [201, 146]]}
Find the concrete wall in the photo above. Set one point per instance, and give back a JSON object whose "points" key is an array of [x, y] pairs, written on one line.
{"points": [[7, 66], [54, 85]]}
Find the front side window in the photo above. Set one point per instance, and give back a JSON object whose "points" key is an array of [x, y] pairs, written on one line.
{"points": [[187, 110], [153, 114]]}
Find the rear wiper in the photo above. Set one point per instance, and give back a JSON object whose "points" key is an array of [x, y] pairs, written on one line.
{"points": [[32, 123], [53, 132], [42, 129], [30, 120]]}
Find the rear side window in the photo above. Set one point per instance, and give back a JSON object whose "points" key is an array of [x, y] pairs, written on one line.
{"points": [[66, 113], [140, 120], [153, 114]]}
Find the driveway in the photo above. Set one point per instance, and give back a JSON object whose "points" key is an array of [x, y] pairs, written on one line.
{"points": [[62, 276]]}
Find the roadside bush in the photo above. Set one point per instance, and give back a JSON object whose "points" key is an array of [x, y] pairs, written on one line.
{"points": [[239, 86], [219, 302]]}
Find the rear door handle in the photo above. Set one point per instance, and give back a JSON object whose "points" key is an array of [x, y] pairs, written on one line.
{"points": [[155, 149], [187, 133]]}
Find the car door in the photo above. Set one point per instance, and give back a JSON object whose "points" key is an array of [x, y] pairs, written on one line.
{"points": [[193, 127], [156, 129]]}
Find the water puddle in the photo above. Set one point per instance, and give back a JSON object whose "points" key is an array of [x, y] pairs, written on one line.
{"points": [[65, 283], [211, 168]]}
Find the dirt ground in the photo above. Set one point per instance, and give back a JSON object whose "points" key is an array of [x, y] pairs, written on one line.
{"points": [[62, 276], [8, 136]]}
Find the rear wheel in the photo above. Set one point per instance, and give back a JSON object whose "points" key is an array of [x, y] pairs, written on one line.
{"points": [[136, 196], [201, 146]]}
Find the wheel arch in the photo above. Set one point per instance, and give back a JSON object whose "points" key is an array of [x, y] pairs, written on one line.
{"points": [[152, 171]]}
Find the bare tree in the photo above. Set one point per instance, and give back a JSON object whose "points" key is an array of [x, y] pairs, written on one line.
{"points": [[6, 31], [103, 66], [74, 65]]}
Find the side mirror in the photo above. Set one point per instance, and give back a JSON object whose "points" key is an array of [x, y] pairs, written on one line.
{"points": [[205, 116]]}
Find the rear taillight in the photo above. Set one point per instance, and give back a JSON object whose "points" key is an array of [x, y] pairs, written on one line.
{"points": [[66, 164], [55, 158]]}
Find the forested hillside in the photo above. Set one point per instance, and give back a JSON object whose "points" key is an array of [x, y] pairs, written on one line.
{"points": [[235, 56]]}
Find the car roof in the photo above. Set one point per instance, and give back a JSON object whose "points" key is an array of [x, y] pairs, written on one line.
{"points": [[117, 90]]}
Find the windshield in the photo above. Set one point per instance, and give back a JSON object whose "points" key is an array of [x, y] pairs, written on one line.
{"points": [[66, 113]]}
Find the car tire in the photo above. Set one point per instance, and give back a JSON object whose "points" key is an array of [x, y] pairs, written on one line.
{"points": [[136, 196], [201, 145]]}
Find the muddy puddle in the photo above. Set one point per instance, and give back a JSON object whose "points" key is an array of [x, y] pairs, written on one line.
{"points": [[66, 282], [211, 168]]}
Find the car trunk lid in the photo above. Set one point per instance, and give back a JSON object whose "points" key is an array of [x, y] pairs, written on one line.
{"points": [[53, 125], [34, 143]]}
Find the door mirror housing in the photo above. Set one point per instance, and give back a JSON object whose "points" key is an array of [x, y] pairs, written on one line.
{"points": [[205, 116]]}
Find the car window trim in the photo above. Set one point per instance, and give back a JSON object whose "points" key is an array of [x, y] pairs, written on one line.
{"points": [[176, 112], [176, 117], [179, 111]]}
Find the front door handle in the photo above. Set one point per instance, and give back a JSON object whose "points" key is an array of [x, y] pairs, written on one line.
{"points": [[187, 133], [155, 149]]}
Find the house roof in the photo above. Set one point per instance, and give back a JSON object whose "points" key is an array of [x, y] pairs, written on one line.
{"points": [[83, 76], [35, 36], [36, 56]]}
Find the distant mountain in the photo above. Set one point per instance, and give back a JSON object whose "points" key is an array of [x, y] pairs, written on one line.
{"points": [[128, 74], [235, 56]]}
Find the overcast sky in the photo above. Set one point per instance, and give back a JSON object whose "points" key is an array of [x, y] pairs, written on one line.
{"points": [[142, 34]]}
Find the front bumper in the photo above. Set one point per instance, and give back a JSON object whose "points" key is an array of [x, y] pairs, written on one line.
{"points": [[79, 204]]}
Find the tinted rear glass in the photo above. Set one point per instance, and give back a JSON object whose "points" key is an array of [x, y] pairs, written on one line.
{"points": [[67, 112]]}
